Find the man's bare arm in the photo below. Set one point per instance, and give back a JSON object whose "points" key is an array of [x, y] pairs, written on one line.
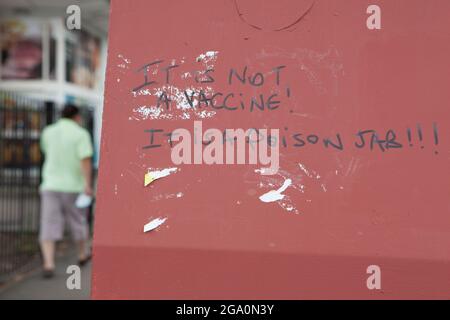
{"points": [[86, 167]]}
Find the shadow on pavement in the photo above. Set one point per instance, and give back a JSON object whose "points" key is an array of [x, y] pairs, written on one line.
{"points": [[34, 287]]}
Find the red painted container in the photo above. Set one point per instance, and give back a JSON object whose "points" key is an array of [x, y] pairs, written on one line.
{"points": [[359, 93]]}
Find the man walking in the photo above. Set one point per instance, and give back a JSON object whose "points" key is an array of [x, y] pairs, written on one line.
{"points": [[67, 172]]}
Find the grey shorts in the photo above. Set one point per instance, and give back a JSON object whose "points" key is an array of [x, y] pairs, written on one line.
{"points": [[58, 208]]}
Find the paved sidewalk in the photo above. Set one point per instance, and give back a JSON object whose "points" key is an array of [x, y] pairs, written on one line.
{"points": [[34, 287]]}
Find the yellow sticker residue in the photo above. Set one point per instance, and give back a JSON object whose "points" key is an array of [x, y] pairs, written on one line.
{"points": [[154, 175], [148, 179]]}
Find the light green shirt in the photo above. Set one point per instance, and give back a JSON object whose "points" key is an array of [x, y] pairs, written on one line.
{"points": [[65, 144]]}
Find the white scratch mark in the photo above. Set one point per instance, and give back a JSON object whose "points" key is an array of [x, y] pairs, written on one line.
{"points": [[167, 196], [162, 173], [275, 195], [208, 56], [127, 61], [184, 109], [186, 75], [288, 207], [155, 223], [263, 171], [309, 173]]}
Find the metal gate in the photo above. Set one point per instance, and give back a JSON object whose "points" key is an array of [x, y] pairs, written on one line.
{"points": [[21, 122]]}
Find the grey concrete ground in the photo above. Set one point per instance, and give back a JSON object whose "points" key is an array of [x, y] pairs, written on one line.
{"points": [[34, 287]]}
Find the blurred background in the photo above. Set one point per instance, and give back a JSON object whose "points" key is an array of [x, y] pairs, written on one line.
{"points": [[43, 66]]}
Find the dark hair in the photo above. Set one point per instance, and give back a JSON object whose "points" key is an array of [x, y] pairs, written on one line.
{"points": [[70, 111]]}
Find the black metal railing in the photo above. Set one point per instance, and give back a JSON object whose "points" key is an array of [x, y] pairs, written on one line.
{"points": [[21, 123]]}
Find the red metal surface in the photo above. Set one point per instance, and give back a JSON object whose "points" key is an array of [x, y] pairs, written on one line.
{"points": [[356, 207]]}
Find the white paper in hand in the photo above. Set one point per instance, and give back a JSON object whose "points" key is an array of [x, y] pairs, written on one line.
{"points": [[83, 201]]}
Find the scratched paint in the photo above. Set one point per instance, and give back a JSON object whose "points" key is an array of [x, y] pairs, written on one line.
{"points": [[167, 196], [271, 181], [275, 195], [158, 174], [208, 58], [124, 64], [184, 109], [155, 223], [309, 173]]}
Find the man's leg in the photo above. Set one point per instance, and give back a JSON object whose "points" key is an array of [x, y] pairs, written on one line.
{"points": [[82, 250], [77, 220], [52, 227], [48, 254]]}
